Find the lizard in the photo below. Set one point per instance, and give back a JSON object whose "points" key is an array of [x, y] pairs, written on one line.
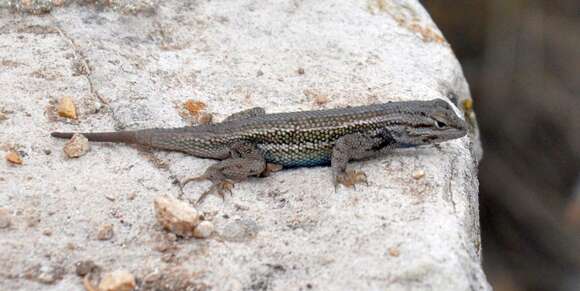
{"points": [[248, 142]]}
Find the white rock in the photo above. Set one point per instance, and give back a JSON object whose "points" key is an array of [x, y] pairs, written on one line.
{"points": [[77, 146], [144, 66], [176, 216], [203, 230]]}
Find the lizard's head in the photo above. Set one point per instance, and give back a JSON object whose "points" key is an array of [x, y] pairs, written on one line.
{"points": [[432, 122]]}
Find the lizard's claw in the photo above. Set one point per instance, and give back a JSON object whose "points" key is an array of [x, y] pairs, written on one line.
{"points": [[351, 178], [224, 186]]}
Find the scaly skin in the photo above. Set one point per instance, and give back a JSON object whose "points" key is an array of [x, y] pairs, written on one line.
{"points": [[246, 141]]}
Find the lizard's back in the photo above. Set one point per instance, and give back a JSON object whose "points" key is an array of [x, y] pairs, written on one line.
{"points": [[289, 139]]}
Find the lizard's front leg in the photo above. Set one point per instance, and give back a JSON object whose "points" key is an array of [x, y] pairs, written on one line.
{"points": [[245, 161], [356, 146]]}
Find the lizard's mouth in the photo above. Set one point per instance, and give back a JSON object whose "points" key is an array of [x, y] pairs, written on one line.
{"points": [[427, 135], [452, 133]]}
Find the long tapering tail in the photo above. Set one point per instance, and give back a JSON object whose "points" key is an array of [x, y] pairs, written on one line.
{"points": [[120, 137]]}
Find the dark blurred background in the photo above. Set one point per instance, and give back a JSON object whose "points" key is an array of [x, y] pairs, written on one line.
{"points": [[522, 61]]}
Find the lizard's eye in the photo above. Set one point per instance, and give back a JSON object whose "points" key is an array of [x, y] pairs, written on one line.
{"points": [[440, 124]]}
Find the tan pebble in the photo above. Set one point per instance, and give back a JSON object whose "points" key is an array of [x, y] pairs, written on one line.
{"points": [[5, 218], [120, 280], [105, 232], [194, 107], [176, 216], [77, 146], [47, 232], [300, 71], [418, 174], [394, 252], [203, 230], [321, 100], [13, 157], [318, 98], [66, 108]]}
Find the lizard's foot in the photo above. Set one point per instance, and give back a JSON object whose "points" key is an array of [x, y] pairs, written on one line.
{"points": [[220, 187], [350, 178]]}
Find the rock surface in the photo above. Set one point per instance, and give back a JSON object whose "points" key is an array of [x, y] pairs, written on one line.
{"points": [[132, 64]]}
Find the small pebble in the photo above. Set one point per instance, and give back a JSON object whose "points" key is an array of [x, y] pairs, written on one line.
{"points": [[300, 71], [203, 230], [47, 232], [77, 146], [13, 157], [120, 280], [394, 252], [105, 232], [318, 98], [5, 218], [66, 108], [194, 107], [418, 174], [176, 216]]}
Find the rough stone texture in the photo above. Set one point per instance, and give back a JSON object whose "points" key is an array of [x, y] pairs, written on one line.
{"points": [[133, 66]]}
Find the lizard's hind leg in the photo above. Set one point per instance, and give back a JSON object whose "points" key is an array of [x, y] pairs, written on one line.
{"points": [[244, 161]]}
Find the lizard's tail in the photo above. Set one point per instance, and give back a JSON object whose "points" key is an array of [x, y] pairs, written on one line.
{"points": [[121, 137]]}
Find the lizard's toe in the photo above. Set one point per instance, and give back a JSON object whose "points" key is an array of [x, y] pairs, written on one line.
{"points": [[224, 186], [192, 179]]}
